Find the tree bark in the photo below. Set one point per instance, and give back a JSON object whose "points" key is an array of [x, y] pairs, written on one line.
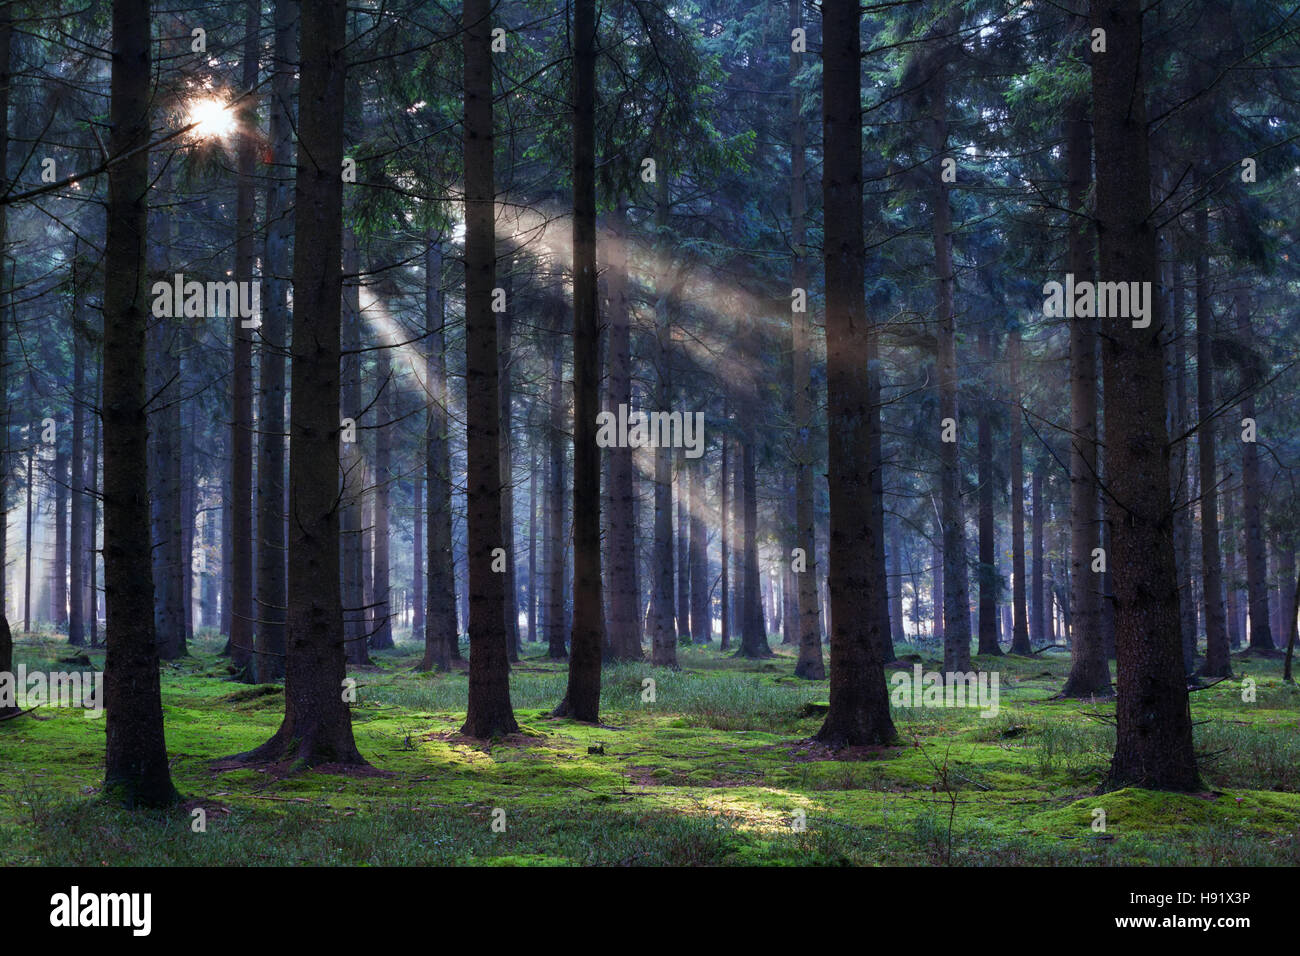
{"points": [[241, 424], [1020, 619], [555, 541], [724, 577], [582, 700], [859, 702], [317, 726], [1261, 635], [624, 631], [1217, 660], [1154, 728], [701, 619], [1038, 619], [77, 481], [136, 771], [753, 635], [352, 519], [382, 636], [989, 581], [272, 531], [1089, 671], [441, 630], [490, 712]]}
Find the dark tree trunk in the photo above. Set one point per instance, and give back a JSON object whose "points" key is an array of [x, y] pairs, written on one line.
{"points": [[490, 712], [505, 333], [753, 634], [1038, 619], [624, 632], [136, 771], [96, 486], [682, 547], [1286, 572], [1261, 636], [936, 585], [582, 700], [241, 424], [1020, 620], [317, 727], [533, 475], [989, 581], [59, 570], [896, 587], [77, 481], [381, 637], [956, 593], [1217, 660], [701, 619], [880, 583], [1154, 726], [1089, 671], [441, 632], [352, 519], [737, 530], [417, 559], [6, 44], [555, 540], [272, 531], [1179, 480], [724, 578], [859, 701]]}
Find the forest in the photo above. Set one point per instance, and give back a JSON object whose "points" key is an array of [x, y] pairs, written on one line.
{"points": [[649, 433]]}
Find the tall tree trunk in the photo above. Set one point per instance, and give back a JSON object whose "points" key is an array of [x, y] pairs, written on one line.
{"points": [[272, 530], [241, 424], [1286, 572], [533, 469], [59, 575], [95, 484], [382, 637], [624, 633], [505, 332], [136, 771], [1217, 660], [859, 701], [701, 619], [753, 634], [1038, 619], [352, 520], [663, 644], [737, 531], [441, 630], [1261, 636], [936, 584], [989, 580], [77, 482], [683, 547], [555, 540], [582, 700], [1020, 619], [956, 597], [6, 44], [317, 727], [724, 577], [490, 712], [896, 587], [1154, 726], [1089, 670], [1179, 479], [417, 558]]}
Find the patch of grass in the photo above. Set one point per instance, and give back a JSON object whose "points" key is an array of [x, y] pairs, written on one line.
{"points": [[714, 769]]}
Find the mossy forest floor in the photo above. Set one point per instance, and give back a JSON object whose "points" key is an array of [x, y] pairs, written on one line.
{"points": [[717, 770]]}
